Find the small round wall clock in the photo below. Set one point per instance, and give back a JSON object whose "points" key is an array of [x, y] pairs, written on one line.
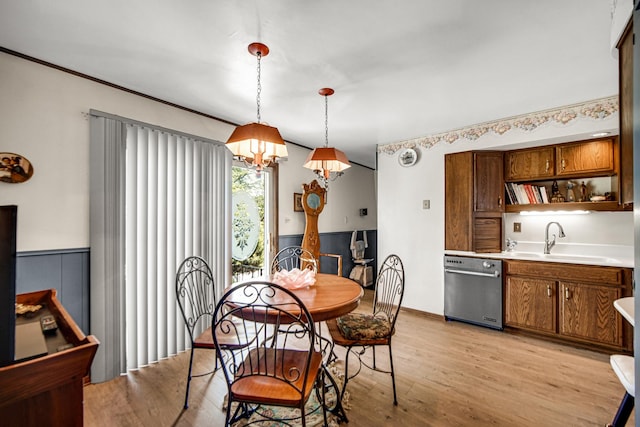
{"points": [[407, 157], [14, 168]]}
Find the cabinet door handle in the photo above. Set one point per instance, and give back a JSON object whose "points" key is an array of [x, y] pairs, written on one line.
{"points": [[546, 166], [567, 295], [564, 164], [549, 291], [499, 202]]}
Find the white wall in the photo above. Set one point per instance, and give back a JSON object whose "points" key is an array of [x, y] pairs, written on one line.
{"points": [[44, 117], [347, 195], [417, 235]]}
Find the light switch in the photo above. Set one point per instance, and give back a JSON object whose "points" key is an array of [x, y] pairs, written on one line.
{"points": [[517, 227], [426, 204]]}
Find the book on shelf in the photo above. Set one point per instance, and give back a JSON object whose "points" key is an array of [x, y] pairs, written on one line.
{"points": [[531, 197], [511, 196], [524, 194]]}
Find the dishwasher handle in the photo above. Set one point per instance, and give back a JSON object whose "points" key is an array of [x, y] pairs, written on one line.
{"points": [[472, 273]]}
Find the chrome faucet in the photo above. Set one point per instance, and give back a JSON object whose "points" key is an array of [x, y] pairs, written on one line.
{"points": [[549, 244]]}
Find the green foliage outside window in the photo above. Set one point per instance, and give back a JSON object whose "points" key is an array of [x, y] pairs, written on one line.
{"points": [[244, 179]]}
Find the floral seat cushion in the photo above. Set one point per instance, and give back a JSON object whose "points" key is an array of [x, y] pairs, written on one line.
{"points": [[360, 326]]}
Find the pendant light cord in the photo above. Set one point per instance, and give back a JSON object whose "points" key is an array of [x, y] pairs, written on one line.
{"points": [[326, 121], [259, 55]]}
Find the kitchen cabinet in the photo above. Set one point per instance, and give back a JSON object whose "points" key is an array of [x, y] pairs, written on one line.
{"points": [[529, 164], [530, 303], [590, 158], [586, 311], [474, 201], [625, 90], [569, 302], [488, 192], [575, 162]]}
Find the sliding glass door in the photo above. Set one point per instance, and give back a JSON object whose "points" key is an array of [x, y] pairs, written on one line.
{"points": [[254, 219]]}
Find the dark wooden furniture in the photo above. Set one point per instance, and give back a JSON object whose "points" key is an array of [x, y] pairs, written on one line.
{"points": [[474, 202], [8, 226], [48, 390], [568, 301]]}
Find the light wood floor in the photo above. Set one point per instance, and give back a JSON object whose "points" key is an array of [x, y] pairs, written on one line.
{"points": [[447, 374]]}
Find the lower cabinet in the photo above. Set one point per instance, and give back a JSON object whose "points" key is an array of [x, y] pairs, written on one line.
{"points": [[587, 312], [568, 301], [530, 303]]}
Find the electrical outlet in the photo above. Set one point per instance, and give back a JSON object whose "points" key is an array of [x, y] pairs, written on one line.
{"points": [[517, 227]]}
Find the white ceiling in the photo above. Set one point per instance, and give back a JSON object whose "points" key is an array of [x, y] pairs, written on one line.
{"points": [[400, 69]]}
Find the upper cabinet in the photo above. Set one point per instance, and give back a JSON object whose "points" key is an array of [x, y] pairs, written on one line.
{"points": [[488, 191], [590, 158], [474, 201], [571, 160], [625, 90], [530, 163], [541, 177]]}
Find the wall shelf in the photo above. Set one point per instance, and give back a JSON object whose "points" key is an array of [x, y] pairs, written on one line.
{"points": [[569, 206]]}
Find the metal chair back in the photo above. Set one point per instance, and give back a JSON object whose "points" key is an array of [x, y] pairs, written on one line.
{"points": [[273, 360], [389, 289], [293, 257], [195, 291]]}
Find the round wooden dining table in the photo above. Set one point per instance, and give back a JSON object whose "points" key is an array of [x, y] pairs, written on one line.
{"points": [[329, 297]]}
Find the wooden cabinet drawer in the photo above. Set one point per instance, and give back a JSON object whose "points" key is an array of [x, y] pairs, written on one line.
{"points": [[487, 234], [557, 271]]}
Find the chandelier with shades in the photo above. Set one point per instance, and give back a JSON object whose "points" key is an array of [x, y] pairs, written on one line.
{"points": [[257, 144], [328, 163]]}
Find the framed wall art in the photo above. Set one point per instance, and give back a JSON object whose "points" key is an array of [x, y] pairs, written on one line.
{"points": [[14, 168], [297, 202]]}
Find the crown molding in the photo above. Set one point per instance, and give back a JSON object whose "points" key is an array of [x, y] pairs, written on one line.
{"points": [[598, 109]]}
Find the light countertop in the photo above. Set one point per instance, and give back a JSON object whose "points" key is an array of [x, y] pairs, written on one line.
{"points": [[604, 255]]}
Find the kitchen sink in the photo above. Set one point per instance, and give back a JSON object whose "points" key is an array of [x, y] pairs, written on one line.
{"points": [[582, 258], [570, 258]]}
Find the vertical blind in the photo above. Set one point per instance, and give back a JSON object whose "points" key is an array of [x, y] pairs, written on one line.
{"points": [[175, 203]]}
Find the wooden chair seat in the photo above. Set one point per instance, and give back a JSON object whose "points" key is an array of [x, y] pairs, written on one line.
{"points": [[204, 340], [271, 387], [281, 366]]}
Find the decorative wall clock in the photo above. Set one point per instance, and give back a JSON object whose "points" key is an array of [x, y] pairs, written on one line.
{"points": [[14, 168]]}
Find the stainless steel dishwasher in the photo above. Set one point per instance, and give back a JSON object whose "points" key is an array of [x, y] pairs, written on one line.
{"points": [[473, 290]]}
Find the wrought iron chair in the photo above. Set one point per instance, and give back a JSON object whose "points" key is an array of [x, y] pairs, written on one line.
{"points": [[195, 291], [282, 366], [365, 331], [293, 257]]}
